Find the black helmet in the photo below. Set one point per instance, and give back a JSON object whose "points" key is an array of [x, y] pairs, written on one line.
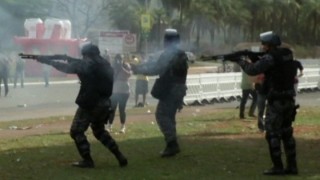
{"points": [[171, 36], [270, 38], [90, 50]]}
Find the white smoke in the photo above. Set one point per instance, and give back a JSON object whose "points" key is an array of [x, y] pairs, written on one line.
{"points": [[10, 27]]}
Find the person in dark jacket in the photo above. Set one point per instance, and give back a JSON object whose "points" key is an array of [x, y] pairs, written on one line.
{"points": [[279, 69], [120, 92], [96, 81], [19, 72], [247, 87], [169, 88], [4, 74]]}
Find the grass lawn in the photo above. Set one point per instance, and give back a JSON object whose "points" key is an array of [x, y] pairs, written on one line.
{"points": [[216, 145]]}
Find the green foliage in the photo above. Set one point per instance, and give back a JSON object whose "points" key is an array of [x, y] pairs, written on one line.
{"points": [[125, 15], [216, 145], [242, 20], [27, 8], [13, 14]]}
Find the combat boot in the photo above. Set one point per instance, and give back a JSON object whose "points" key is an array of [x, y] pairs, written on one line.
{"points": [[120, 157], [84, 164], [171, 149], [291, 171], [122, 160], [241, 116], [291, 167], [277, 168], [260, 125]]}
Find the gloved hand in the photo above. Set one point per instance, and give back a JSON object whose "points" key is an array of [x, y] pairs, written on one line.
{"points": [[180, 107], [134, 68]]}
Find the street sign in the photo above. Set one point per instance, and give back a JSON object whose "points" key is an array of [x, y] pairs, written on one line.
{"points": [[146, 22], [130, 43], [112, 40], [117, 41]]}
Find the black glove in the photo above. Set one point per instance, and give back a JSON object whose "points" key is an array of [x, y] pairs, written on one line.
{"points": [[180, 107], [242, 62], [134, 68]]}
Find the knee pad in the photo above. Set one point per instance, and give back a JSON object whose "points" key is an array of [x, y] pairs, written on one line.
{"points": [[287, 133], [275, 143], [97, 134], [77, 136], [104, 138], [73, 134], [288, 139]]}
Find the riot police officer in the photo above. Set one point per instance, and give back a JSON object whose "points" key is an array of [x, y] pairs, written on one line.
{"points": [[278, 66], [96, 77], [169, 88]]}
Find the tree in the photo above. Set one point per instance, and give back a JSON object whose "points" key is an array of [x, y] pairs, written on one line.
{"points": [[161, 20], [310, 21], [26, 8], [83, 14], [182, 6], [13, 14], [125, 15]]}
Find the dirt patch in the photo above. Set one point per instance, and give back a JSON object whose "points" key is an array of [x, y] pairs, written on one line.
{"points": [[141, 115], [38, 129], [145, 115]]}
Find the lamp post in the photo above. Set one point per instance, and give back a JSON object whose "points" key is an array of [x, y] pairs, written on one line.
{"points": [[146, 37], [146, 26]]}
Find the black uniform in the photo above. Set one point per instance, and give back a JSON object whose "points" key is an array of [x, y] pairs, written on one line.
{"points": [[19, 72], [169, 89], [96, 77], [278, 67]]}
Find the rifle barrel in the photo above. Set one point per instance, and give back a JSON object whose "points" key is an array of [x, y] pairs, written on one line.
{"points": [[28, 56]]}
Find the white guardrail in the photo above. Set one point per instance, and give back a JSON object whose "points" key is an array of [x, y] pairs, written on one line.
{"points": [[221, 87], [217, 87]]}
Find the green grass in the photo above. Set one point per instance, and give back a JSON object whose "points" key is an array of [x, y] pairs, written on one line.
{"points": [[214, 146]]}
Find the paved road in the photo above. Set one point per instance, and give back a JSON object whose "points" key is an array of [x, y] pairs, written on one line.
{"points": [[35, 101]]}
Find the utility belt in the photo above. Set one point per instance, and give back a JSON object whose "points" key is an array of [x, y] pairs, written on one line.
{"points": [[281, 95], [163, 87]]}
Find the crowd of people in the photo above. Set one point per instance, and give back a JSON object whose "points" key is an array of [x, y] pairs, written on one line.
{"points": [[12, 69]]}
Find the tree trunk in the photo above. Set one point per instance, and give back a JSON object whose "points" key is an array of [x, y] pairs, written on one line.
{"points": [[198, 38]]}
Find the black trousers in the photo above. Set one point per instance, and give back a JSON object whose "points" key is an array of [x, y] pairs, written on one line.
{"points": [[95, 118], [244, 99]]}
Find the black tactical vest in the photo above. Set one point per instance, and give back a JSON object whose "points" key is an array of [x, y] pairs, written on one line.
{"points": [[280, 78], [177, 69], [96, 83]]}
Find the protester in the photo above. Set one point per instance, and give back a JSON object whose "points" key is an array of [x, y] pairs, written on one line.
{"points": [[121, 91]]}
